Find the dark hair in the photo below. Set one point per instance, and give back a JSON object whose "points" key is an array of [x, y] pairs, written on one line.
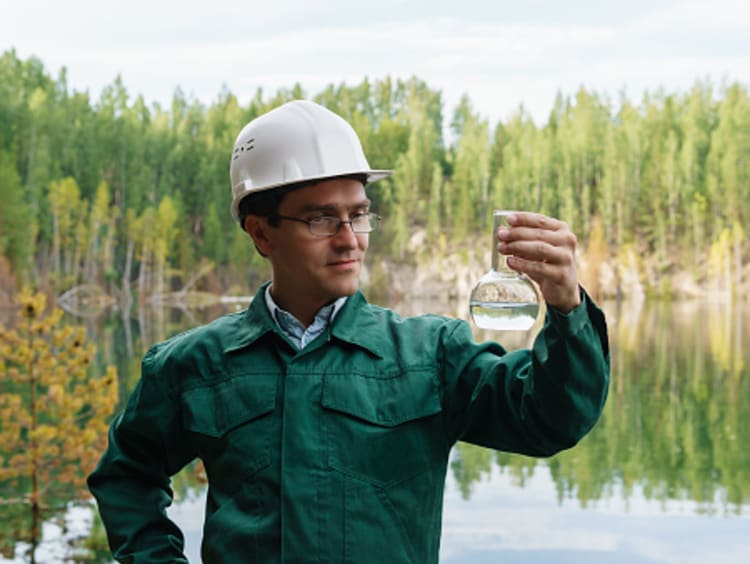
{"points": [[266, 202]]}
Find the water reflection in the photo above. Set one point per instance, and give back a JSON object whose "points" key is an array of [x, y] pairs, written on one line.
{"points": [[505, 523], [668, 454]]}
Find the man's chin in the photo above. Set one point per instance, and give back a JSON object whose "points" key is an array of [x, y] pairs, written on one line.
{"points": [[345, 289]]}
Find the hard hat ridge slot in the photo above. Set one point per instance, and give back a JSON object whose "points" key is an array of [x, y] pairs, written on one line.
{"points": [[246, 146]]}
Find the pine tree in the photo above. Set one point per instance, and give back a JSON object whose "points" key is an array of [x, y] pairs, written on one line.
{"points": [[53, 411]]}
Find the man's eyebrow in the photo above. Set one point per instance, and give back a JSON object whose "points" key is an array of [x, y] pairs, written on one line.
{"points": [[334, 208]]}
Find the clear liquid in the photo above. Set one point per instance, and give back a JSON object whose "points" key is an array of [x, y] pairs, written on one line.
{"points": [[504, 316]]}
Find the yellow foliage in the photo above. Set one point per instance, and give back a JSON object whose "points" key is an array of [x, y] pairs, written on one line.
{"points": [[725, 259], [53, 410], [719, 253], [597, 253]]}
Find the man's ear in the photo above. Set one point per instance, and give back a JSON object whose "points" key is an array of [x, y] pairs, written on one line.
{"points": [[258, 229]]}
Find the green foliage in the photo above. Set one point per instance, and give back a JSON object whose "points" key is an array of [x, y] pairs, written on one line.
{"points": [[215, 237], [17, 230], [471, 166], [95, 178]]}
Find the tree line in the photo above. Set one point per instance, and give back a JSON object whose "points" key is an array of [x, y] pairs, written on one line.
{"points": [[135, 196]]}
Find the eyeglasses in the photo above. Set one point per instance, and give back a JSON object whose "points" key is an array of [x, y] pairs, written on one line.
{"points": [[328, 225]]}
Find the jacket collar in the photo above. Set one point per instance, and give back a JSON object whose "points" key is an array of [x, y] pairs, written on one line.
{"points": [[355, 323], [250, 326]]}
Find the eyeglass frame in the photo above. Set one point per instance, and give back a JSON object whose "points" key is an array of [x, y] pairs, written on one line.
{"points": [[374, 219]]}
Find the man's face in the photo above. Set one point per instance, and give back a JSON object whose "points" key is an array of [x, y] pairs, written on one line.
{"points": [[310, 271]]}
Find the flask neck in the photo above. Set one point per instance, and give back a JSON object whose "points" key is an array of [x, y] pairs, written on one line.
{"points": [[499, 261]]}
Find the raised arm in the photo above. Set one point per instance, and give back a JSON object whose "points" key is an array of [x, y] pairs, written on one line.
{"points": [[542, 400]]}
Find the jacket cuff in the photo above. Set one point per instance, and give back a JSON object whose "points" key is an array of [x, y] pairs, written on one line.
{"points": [[571, 323]]}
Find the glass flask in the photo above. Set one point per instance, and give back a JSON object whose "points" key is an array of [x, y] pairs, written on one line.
{"points": [[503, 299]]}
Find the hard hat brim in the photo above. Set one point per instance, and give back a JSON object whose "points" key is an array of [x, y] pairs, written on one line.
{"points": [[372, 176]]}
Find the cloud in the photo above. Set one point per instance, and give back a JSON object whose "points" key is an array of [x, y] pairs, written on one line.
{"points": [[499, 61], [697, 17]]}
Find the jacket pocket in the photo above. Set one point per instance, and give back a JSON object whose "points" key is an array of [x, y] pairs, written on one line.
{"points": [[231, 424], [382, 428]]}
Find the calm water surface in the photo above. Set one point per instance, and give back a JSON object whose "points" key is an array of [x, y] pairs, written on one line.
{"points": [[663, 478]]}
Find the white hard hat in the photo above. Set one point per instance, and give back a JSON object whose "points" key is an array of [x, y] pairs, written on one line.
{"points": [[296, 142]]}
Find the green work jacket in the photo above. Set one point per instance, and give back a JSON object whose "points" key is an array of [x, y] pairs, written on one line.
{"points": [[338, 452]]}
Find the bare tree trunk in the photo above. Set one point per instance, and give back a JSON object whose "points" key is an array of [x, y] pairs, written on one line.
{"points": [[91, 258], [143, 275], [107, 258], [35, 505], [126, 296], [55, 246]]}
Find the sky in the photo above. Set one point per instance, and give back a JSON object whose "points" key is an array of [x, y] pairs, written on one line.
{"points": [[502, 54]]}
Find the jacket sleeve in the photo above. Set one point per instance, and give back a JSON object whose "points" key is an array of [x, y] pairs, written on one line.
{"points": [[532, 401], [132, 480]]}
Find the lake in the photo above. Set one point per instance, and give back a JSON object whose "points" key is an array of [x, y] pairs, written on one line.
{"points": [[664, 477]]}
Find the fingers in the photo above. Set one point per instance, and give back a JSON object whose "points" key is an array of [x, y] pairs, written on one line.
{"points": [[540, 271], [535, 237], [537, 220], [540, 251], [543, 248]]}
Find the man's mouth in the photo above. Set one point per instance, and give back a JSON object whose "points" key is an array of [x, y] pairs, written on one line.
{"points": [[343, 263]]}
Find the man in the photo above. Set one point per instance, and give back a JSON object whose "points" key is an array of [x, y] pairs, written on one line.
{"points": [[325, 423]]}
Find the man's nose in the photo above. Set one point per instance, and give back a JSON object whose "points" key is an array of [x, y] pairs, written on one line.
{"points": [[346, 234]]}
